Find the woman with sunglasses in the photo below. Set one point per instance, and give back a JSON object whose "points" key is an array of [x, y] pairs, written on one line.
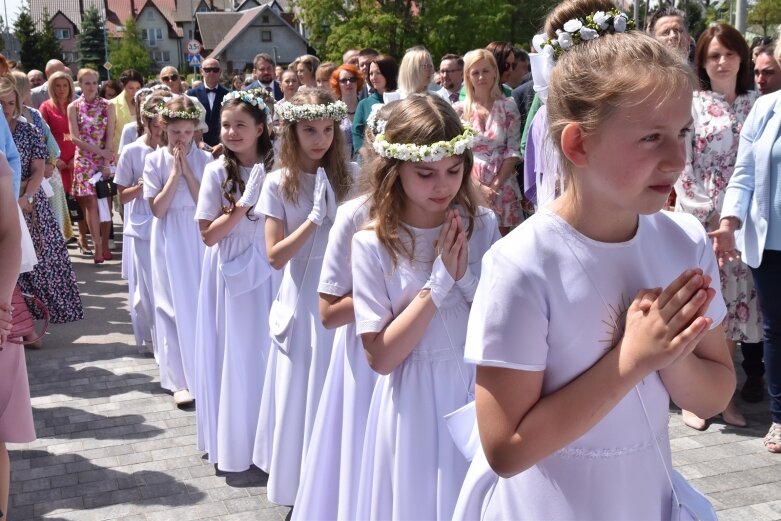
{"points": [[346, 82]]}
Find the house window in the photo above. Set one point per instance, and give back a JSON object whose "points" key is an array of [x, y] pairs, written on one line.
{"points": [[152, 35], [161, 56], [264, 19], [62, 34], [150, 14], [265, 36], [70, 57]]}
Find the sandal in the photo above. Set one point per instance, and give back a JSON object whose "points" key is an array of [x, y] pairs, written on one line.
{"points": [[773, 438]]}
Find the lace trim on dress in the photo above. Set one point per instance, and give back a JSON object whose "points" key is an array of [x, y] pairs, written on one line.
{"points": [[583, 453]]}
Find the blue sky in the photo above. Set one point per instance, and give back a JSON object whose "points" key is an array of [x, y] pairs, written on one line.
{"points": [[13, 7]]}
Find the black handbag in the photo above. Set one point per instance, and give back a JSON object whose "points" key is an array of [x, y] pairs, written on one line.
{"points": [[74, 209], [105, 188]]}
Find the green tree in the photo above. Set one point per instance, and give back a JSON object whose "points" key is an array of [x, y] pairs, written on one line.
{"points": [[48, 45], [28, 36], [3, 32], [92, 45], [766, 14], [128, 52]]}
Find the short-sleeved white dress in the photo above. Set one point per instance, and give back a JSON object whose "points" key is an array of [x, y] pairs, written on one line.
{"points": [[177, 253], [232, 338], [297, 366], [547, 301], [136, 253], [329, 476], [411, 468]]}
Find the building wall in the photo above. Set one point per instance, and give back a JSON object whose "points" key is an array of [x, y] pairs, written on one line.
{"points": [[285, 45], [166, 49], [70, 45]]}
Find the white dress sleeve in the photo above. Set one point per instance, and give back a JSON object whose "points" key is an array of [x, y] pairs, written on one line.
{"points": [[371, 302], [153, 177], [336, 275], [508, 324], [124, 172], [270, 202], [210, 200]]}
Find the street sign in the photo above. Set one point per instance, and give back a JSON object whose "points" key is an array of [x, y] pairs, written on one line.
{"points": [[194, 60], [107, 66], [193, 47]]}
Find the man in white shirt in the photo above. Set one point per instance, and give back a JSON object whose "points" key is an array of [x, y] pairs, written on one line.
{"points": [[451, 70]]}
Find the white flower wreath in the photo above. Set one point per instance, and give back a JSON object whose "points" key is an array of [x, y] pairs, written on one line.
{"points": [[247, 96], [425, 153], [194, 113], [580, 30], [290, 112]]}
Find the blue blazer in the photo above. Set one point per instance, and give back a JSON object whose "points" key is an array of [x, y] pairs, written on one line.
{"points": [[212, 137], [278, 94], [748, 192]]}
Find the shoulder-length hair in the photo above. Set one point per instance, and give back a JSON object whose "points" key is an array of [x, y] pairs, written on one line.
{"points": [[470, 59], [60, 75], [730, 38], [414, 73], [8, 86], [390, 71], [352, 69]]}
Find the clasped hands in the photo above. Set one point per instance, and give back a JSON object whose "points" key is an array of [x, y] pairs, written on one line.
{"points": [[324, 204], [451, 266]]}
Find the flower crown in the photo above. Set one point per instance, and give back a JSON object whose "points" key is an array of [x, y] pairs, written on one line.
{"points": [[580, 30], [193, 113], [425, 153], [151, 114], [291, 112], [376, 124], [252, 97]]}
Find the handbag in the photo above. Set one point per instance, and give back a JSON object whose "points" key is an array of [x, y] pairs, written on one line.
{"points": [[688, 503], [74, 209], [105, 188], [23, 323]]}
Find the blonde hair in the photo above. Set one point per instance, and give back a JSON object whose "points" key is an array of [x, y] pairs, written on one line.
{"points": [[8, 86], [334, 161], [470, 59], [413, 78], [418, 119], [311, 62], [590, 94], [60, 75], [22, 83], [86, 71], [177, 104]]}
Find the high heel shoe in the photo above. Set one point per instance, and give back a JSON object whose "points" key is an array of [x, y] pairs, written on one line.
{"points": [[84, 250], [107, 255], [97, 259]]}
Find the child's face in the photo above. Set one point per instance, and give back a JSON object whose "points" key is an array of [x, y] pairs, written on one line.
{"points": [[315, 138], [239, 132], [633, 160], [180, 132], [429, 188]]}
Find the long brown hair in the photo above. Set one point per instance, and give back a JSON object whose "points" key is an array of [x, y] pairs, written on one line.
{"points": [[730, 38], [233, 183], [334, 162], [421, 120]]}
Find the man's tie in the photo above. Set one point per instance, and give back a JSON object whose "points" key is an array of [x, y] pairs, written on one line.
{"points": [[453, 97]]}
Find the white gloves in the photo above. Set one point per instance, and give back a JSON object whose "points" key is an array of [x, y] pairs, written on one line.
{"points": [[330, 197], [253, 186], [320, 207], [468, 285], [440, 283]]}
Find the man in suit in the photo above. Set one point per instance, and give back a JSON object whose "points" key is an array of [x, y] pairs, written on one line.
{"points": [[210, 95], [264, 76]]}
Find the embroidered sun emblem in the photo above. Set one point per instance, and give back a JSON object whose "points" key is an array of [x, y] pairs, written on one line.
{"points": [[615, 325]]}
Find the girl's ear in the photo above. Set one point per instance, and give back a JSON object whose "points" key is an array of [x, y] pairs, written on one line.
{"points": [[573, 144]]}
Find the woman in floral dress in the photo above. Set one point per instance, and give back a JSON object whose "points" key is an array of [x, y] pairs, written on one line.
{"points": [[498, 146], [719, 109], [91, 121], [52, 280]]}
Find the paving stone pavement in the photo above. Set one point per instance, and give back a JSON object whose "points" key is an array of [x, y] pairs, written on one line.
{"points": [[112, 445]]}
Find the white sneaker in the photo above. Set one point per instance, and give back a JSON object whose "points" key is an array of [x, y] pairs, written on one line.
{"points": [[183, 397]]}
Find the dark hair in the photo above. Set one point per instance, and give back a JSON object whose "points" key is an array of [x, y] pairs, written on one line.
{"points": [[110, 84], [368, 51], [730, 38], [500, 50], [451, 56], [664, 12], [262, 56], [521, 55], [233, 182], [390, 69], [768, 48], [131, 75]]}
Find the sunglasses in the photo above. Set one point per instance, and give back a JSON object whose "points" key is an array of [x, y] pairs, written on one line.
{"points": [[173, 77], [211, 69], [345, 81], [761, 40]]}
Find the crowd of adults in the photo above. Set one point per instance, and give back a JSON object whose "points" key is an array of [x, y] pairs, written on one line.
{"points": [[60, 141]]}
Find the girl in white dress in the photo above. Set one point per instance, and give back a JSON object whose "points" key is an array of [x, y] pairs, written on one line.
{"points": [[299, 204], [138, 223], [232, 339], [172, 179], [415, 269], [579, 349], [329, 477]]}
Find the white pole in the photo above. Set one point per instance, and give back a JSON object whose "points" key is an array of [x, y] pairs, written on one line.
{"points": [[740, 16]]}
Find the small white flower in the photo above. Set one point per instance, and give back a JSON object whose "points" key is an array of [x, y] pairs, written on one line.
{"points": [[619, 23], [601, 19], [537, 41], [573, 25], [547, 51], [587, 34], [565, 40]]}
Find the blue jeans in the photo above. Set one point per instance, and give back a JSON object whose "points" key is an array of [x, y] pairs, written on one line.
{"points": [[767, 279]]}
